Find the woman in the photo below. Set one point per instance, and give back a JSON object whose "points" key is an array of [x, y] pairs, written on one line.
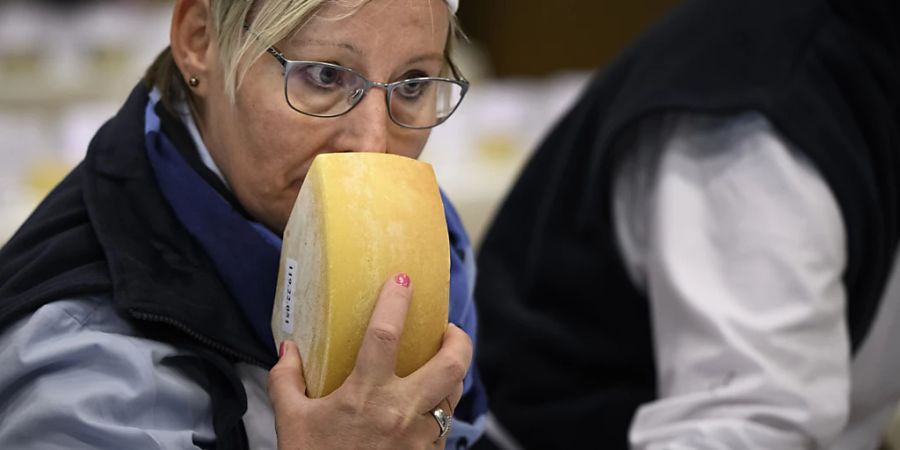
{"points": [[135, 302]]}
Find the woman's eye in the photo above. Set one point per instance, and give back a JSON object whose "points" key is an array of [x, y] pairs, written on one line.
{"points": [[323, 76], [412, 89]]}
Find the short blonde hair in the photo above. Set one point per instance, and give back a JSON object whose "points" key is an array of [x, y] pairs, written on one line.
{"points": [[244, 30]]}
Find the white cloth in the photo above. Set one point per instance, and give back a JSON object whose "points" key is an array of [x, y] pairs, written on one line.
{"points": [[740, 246]]}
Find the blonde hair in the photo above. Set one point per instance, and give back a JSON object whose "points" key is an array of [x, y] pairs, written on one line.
{"points": [[244, 30]]}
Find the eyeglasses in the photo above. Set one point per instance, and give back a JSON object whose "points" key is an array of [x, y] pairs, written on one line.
{"points": [[323, 89]]}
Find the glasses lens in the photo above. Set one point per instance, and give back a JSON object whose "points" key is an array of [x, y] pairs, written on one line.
{"points": [[424, 102], [322, 89]]}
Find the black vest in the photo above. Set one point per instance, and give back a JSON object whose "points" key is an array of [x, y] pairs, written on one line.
{"points": [[565, 345], [107, 229]]}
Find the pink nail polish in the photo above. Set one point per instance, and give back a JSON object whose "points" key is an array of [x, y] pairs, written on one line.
{"points": [[281, 349], [402, 279]]}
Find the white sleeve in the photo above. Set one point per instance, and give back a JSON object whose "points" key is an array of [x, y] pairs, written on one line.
{"points": [[740, 247], [74, 376]]}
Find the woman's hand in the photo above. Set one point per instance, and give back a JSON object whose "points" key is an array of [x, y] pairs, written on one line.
{"points": [[374, 408]]}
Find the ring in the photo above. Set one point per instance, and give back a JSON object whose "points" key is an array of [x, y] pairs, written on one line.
{"points": [[444, 421]]}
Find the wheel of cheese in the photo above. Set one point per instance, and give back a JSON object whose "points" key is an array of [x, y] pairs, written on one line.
{"points": [[360, 218]]}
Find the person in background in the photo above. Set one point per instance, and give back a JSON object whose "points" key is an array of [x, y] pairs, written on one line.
{"points": [[702, 253], [135, 302]]}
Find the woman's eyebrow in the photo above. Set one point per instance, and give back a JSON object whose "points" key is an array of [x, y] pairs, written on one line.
{"points": [[426, 57], [322, 43]]}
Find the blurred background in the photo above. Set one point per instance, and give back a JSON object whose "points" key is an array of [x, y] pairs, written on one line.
{"points": [[67, 65]]}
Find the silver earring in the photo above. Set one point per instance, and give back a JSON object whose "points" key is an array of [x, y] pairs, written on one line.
{"points": [[194, 81]]}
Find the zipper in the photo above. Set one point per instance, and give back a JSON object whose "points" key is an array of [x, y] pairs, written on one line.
{"points": [[197, 337]]}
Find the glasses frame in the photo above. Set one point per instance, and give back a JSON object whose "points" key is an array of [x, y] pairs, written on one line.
{"points": [[459, 80]]}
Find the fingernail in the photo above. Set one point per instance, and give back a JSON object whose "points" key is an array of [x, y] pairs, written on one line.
{"points": [[402, 279], [281, 349]]}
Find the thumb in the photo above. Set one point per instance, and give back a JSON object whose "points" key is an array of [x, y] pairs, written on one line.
{"points": [[286, 383]]}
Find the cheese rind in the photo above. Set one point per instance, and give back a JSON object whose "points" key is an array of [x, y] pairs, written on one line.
{"points": [[358, 219]]}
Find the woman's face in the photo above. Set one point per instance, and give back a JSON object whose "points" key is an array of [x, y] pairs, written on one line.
{"points": [[264, 148]]}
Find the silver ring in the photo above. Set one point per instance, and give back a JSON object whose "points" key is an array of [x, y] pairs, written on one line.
{"points": [[444, 421]]}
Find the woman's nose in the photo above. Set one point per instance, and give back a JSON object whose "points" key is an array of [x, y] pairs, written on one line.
{"points": [[368, 124]]}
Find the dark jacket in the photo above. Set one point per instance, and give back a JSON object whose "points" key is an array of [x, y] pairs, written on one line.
{"points": [[566, 348], [107, 229]]}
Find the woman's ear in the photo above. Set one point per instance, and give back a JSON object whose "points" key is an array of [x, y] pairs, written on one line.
{"points": [[192, 43]]}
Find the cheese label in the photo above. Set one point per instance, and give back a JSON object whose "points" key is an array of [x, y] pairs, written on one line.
{"points": [[287, 300]]}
